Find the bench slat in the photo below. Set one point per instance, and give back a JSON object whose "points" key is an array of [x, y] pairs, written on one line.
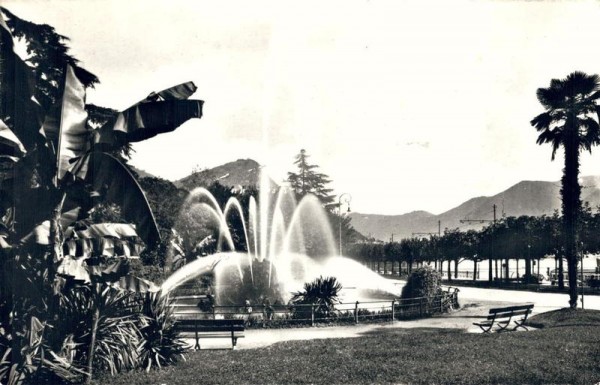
{"points": [[209, 330], [508, 314], [212, 335], [211, 322], [511, 308]]}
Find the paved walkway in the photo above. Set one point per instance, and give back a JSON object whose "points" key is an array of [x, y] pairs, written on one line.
{"points": [[475, 305], [462, 319]]}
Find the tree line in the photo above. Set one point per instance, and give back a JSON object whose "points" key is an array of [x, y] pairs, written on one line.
{"points": [[526, 238]]}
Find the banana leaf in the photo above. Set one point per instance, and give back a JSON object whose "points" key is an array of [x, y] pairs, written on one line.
{"points": [[159, 113], [74, 268], [114, 230], [66, 124], [112, 182], [135, 284], [41, 233], [178, 92], [10, 145]]}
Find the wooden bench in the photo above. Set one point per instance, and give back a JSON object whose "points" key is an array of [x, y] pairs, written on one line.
{"points": [[502, 317], [211, 328]]}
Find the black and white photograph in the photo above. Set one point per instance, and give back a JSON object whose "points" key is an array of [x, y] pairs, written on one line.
{"points": [[283, 192]]}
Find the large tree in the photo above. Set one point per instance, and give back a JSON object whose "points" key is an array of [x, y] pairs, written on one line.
{"points": [[571, 122], [308, 181]]}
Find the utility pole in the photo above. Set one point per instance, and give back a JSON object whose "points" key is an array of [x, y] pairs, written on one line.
{"points": [[492, 251]]}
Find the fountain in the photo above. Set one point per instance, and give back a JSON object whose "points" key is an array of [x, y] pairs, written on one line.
{"points": [[281, 245]]}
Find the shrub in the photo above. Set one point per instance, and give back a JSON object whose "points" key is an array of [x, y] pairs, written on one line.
{"points": [[148, 272], [423, 282]]}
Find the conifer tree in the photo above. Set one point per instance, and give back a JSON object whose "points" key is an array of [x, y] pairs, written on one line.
{"points": [[308, 181]]}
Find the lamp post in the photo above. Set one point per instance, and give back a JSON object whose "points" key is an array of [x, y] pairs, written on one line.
{"points": [[343, 198], [582, 282]]}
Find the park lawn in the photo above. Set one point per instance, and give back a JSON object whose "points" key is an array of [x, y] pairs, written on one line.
{"points": [[565, 351]]}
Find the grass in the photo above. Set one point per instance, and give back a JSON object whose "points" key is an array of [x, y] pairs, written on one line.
{"points": [[565, 351], [565, 317]]}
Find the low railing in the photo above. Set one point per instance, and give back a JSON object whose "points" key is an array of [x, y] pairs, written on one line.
{"points": [[311, 314], [460, 275]]}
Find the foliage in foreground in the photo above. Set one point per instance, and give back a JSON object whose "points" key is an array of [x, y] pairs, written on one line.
{"points": [[71, 214], [133, 332], [159, 344], [422, 356]]}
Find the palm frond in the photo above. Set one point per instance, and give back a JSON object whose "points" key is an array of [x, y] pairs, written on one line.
{"points": [[552, 97], [591, 135], [542, 121], [580, 83]]}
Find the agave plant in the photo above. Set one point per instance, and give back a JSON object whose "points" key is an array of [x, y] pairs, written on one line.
{"points": [[159, 344], [116, 334], [116, 338]]}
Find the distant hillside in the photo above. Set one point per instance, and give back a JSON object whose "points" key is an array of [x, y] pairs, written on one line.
{"points": [[524, 198], [242, 172], [383, 226]]}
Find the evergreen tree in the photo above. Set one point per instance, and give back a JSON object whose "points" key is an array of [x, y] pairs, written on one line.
{"points": [[308, 181]]}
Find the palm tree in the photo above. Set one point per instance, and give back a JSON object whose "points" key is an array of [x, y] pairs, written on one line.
{"points": [[569, 122], [323, 293]]}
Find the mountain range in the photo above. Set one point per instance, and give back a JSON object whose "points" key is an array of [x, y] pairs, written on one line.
{"points": [[236, 174], [524, 198], [242, 172]]}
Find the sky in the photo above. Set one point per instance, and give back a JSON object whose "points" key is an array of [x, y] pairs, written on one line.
{"points": [[406, 105]]}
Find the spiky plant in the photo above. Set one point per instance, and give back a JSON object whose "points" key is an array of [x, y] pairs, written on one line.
{"points": [[322, 292], [159, 344]]}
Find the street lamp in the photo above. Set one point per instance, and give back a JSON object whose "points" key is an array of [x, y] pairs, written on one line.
{"points": [[346, 199]]}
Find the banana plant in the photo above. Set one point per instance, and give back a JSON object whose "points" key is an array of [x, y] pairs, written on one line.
{"points": [[55, 167]]}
